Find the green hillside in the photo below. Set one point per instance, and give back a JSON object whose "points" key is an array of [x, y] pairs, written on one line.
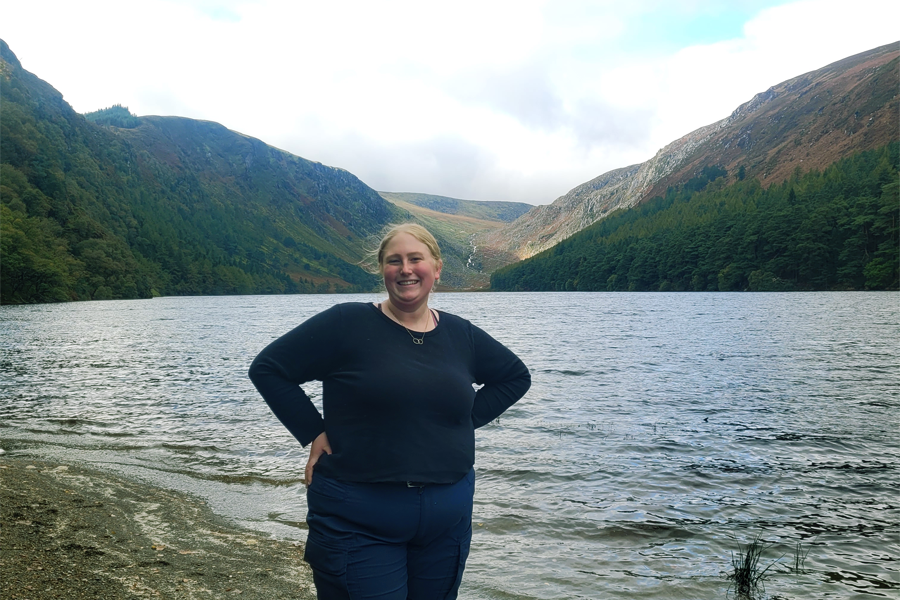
{"points": [[477, 209], [116, 206], [454, 223], [830, 230]]}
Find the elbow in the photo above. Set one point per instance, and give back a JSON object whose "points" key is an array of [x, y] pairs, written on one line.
{"points": [[526, 381], [257, 370]]}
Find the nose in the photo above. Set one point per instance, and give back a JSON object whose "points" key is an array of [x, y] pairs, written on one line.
{"points": [[406, 267]]}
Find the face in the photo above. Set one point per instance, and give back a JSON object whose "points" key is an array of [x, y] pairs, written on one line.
{"points": [[409, 271]]}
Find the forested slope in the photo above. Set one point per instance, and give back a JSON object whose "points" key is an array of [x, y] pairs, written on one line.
{"points": [[831, 230], [116, 206]]}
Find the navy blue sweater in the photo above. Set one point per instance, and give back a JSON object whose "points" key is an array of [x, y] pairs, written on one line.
{"points": [[394, 410]]}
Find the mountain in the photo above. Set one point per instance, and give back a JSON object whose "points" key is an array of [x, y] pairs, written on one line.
{"points": [[110, 205], [807, 122], [477, 209], [835, 229], [454, 223]]}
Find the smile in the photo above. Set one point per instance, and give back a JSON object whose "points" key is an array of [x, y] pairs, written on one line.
{"points": [[408, 282]]}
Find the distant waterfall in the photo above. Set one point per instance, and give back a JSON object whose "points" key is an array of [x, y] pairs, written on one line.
{"points": [[470, 264]]}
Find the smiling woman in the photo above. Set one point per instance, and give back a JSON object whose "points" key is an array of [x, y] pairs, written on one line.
{"points": [[410, 262], [390, 473]]}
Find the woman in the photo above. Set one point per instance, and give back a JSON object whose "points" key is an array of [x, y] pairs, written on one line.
{"points": [[390, 478]]}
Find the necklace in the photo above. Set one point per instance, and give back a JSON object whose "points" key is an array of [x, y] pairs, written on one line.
{"points": [[416, 340]]}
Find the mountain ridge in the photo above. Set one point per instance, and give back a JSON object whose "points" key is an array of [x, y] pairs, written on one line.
{"points": [[488, 210], [546, 225], [111, 205], [837, 229], [170, 206]]}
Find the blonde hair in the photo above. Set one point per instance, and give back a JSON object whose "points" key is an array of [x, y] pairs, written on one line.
{"points": [[415, 230]]}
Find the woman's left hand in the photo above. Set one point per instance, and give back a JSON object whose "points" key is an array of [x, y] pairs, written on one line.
{"points": [[319, 447]]}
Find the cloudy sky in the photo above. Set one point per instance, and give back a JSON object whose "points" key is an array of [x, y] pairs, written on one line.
{"points": [[486, 100]]}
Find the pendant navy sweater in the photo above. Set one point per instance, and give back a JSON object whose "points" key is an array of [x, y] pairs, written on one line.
{"points": [[394, 411]]}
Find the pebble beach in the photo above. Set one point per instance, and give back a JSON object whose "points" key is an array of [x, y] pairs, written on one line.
{"points": [[70, 531]]}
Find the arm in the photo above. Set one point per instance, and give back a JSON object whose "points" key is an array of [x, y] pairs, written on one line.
{"points": [[304, 354], [505, 378]]}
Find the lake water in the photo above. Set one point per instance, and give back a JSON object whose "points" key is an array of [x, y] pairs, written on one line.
{"points": [[661, 430]]}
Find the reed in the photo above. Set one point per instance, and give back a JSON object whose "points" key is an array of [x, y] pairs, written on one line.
{"points": [[747, 576], [799, 566]]}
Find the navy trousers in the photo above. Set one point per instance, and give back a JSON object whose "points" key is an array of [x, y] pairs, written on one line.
{"points": [[387, 540]]}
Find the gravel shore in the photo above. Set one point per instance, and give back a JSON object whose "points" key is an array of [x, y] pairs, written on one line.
{"points": [[67, 531]]}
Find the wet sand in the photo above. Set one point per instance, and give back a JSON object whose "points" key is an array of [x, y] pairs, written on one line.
{"points": [[68, 531]]}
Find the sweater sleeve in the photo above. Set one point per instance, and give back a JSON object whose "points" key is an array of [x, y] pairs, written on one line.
{"points": [[304, 354], [504, 376]]}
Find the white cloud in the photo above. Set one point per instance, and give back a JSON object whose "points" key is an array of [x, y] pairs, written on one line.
{"points": [[503, 100], [702, 84]]}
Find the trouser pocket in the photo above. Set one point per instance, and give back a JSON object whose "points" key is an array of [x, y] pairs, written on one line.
{"points": [[324, 557], [464, 544]]}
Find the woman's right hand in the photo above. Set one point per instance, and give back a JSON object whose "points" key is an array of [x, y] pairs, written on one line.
{"points": [[319, 447]]}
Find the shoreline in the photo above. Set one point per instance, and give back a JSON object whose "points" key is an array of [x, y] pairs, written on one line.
{"points": [[71, 531]]}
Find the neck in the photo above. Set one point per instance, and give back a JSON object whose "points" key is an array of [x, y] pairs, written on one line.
{"points": [[408, 317]]}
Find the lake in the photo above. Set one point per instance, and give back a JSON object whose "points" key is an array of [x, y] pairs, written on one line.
{"points": [[661, 433]]}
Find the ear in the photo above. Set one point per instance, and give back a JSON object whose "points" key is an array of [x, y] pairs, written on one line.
{"points": [[440, 265]]}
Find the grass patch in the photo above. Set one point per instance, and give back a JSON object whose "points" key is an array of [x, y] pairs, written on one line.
{"points": [[747, 575]]}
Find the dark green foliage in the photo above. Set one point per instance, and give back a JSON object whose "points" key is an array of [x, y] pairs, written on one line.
{"points": [[116, 116], [707, 174], [831, 230], [167, 206]]}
